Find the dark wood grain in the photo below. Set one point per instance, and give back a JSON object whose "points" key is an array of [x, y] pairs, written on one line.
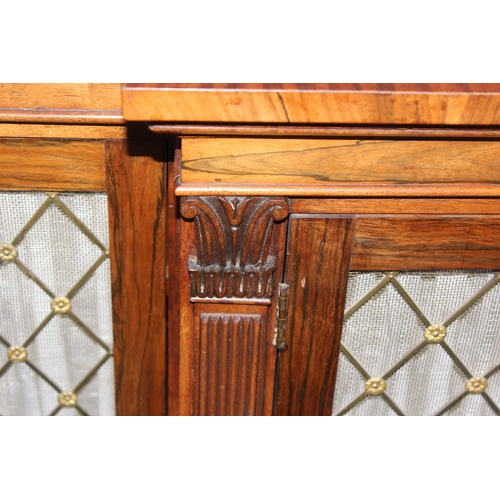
{"points": [[52, 165], [388, 104], [319, 252], [174, 274], [323, 161], [137, 209], [424, 243]]}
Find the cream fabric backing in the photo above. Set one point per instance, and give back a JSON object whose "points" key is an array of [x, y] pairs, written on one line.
{"points": [[57, 251], [383, 330]]}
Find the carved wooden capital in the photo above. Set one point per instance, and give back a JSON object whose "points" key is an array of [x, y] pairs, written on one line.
{"points": [[233, 245]]}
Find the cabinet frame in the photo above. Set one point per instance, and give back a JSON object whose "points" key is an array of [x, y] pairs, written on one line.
{"points": [[455, 230], [133, 174]]}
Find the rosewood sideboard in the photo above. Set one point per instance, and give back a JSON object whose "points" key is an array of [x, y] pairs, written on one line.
{"points": [[283, 199], [272, 249]]}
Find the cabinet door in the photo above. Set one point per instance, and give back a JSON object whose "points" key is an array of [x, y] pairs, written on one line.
{"points": [[419, 332], [82, 277]]}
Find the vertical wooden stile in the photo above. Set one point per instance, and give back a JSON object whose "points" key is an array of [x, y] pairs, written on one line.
{"points": [[317, 269], [137, 215], [173, 282]]}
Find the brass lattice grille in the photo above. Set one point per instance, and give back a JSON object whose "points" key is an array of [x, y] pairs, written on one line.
{"points": [[420, 343], [55, 322]]}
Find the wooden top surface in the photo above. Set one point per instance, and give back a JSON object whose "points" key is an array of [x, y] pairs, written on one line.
{"points": [[75, 103], [361, 104], [461, 88]]}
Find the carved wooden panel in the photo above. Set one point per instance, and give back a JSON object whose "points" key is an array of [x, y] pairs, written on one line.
{"points": [[234, 260], [228, 364]]}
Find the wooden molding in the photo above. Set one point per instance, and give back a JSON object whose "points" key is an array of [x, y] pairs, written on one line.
{"points": [[242, 130], [58, 116], [345, 189], [56, 131]]}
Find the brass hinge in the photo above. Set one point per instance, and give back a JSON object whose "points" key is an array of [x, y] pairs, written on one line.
{"points": [[282, 313]]}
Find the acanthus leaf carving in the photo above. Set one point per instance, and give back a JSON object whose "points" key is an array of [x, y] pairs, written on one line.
{"points": [[233, 245]]}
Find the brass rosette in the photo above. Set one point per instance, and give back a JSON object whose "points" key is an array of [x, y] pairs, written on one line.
{"points": [[8, 252], [61, 305], [435, 333], [375, 386], [17, 354], [476, 385], [67, 399]]}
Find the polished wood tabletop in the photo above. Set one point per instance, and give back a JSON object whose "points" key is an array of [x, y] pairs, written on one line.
{"points": [[369, 103]]}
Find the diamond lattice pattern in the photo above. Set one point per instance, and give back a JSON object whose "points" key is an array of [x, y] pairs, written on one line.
{"points": [[55, 291], [428, 342]]}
